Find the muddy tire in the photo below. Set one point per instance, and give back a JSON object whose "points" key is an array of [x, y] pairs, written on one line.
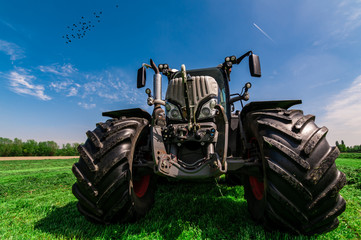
{"points": [[299, 189], [108, 187]]}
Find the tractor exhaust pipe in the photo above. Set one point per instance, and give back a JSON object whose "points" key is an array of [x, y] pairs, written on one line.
{"points": [[157, 85]]}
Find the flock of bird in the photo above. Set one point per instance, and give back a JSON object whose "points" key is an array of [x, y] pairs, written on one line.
{"points": [[79, 29]]}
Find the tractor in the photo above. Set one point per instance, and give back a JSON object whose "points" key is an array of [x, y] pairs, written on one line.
{"points": [[279, 155]]}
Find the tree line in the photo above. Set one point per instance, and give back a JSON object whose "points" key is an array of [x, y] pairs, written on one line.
{"points": [[16, 147], [343, 148]]}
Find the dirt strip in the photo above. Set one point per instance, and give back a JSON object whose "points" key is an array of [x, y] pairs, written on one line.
{"points": [[36, 158]]}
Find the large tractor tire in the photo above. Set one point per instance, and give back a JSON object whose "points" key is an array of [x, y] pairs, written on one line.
{"points": [[299, 188], [108, 187]]}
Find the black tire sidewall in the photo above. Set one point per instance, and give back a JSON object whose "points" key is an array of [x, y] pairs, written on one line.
{"points": [[141, 204], [255, 207]]}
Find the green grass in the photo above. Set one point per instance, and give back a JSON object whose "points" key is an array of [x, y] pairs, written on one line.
{"points": [[350, 155], [36, 203]]}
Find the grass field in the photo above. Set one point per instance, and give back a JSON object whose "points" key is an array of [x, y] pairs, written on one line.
{"points": [[36, 203]]}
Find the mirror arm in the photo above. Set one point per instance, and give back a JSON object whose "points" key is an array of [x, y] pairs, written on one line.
{"points": [[235, 99], [146, 65], [154, 67], [239, 60]]}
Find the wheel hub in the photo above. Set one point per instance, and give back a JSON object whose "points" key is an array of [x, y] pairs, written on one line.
{"points": [[257, 187], [141, 186]]}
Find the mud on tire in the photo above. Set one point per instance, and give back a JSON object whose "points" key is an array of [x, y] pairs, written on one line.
{"points": [[108, 188], [301, 181]]}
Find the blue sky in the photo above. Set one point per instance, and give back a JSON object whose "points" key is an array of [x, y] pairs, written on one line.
{"points": [[53, 90]]}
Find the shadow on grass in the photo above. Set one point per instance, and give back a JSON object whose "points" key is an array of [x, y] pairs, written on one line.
{"points": [[182, 210]]}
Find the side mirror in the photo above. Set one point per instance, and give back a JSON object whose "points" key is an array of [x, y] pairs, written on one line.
{"points": [[254, 65], [141, 77]]}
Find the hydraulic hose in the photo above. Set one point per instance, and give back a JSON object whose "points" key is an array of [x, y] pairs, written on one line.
{"points": [[185, 92]]}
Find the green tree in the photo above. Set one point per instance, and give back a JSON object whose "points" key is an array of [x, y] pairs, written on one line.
{"points": [[75, 149], [17, 147], [52, 147], [33, 148], [47, 148], [30, 148], [342, 146], [68, 150], [5, 146]]}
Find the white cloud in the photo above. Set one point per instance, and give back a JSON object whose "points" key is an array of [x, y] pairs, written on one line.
{"points": [[11, 49], [58, 86], [72, 92], [87, 105], [60, 70], [66, 86], [109, 86], [109, 96], [350, 13], [106, 86], [332, 23], [343, 115], [320, 84], [21, 83], [93, 87], [326, 24]]}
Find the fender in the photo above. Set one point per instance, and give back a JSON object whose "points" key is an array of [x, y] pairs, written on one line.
{"points": [[133, 112], [254, 106]]}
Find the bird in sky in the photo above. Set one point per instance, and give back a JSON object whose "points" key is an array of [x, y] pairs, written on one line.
{"points": [[82, 27]]}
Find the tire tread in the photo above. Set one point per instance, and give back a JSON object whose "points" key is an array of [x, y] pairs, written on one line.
{"points": [[103, 173], [301, 175]]}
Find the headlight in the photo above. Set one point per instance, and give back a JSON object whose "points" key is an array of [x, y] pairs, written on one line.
{"points": [[208, 109], [173, 112]]}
